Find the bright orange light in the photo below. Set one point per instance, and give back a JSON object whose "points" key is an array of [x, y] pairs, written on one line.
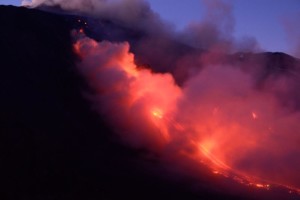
{"points": [[157, 113], [206, 148], [259, 185]]}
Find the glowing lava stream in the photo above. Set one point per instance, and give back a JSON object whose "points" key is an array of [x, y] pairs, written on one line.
{"points": [[212, 158], [220, 168], [143, 108]]}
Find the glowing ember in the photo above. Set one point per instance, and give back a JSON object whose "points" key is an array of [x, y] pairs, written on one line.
{"points": [[157, 113], [254, 115], [216, 172], [259, 185]]}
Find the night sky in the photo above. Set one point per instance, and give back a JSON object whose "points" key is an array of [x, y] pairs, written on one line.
{"points": [[263, 19]]}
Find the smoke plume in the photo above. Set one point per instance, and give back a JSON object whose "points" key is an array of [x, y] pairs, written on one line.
{"points": [[292, 29], [191, 92]]}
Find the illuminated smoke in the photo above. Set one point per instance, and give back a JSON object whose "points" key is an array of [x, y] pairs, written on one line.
{"points": [[188, 96], [218, 113], [175, 52], [138, 103]]}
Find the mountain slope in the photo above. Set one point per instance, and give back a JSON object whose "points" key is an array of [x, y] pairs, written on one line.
{"points": [[53, 146]]}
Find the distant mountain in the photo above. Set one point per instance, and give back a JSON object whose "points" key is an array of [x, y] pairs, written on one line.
{"points": [[53, 146]]}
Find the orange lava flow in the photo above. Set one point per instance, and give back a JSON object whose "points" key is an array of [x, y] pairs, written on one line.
{"points": [[205, 150]]}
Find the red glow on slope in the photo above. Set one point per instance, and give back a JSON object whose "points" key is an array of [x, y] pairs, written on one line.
{"points": [[149, 110], [206, 149], [145, 101], [157, 113]]}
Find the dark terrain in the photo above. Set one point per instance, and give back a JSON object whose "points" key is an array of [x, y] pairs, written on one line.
{"points": [[53, 146]]}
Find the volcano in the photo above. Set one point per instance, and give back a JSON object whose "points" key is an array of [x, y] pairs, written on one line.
{"points": [[55, 145]]}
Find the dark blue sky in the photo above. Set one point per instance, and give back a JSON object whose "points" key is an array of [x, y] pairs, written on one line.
{"points": [[264, 19]]}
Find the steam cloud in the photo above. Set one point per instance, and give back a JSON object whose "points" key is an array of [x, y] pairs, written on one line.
{"points": [[186, 93]]}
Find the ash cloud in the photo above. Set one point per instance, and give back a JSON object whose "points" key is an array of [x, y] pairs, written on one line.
{"points": [[155, 42], [191, 92]]}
